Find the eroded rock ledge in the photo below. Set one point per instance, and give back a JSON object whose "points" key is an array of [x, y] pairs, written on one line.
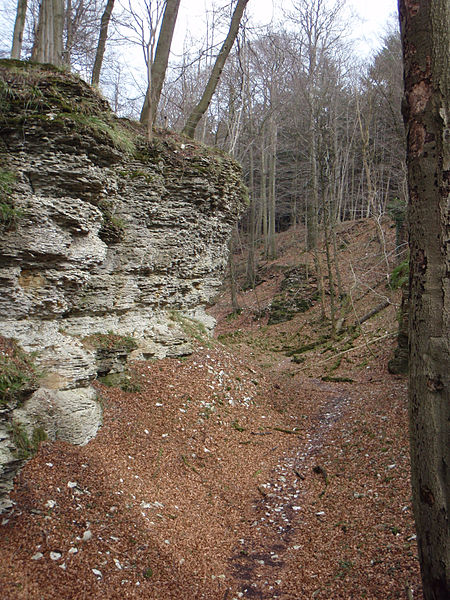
{"points": [[101, 235]]}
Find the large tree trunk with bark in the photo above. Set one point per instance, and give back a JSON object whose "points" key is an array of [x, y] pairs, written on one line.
{"points": [[104, 24], [48, 43], [18, 28], [159, 66], [202, 106], [426, 43]]}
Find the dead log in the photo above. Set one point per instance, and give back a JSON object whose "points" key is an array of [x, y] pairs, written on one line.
{"points": [[378, 308]]}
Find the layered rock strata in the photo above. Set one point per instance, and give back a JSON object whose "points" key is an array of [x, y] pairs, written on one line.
{"points": [[105, 235]]}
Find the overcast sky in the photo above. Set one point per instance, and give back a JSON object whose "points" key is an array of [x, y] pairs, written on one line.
{"points": [[372, 17]]}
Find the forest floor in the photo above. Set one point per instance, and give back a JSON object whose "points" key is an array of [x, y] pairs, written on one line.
{"points": [[271, 463]]}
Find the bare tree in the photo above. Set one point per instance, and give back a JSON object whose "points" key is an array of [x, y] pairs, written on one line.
{"points": [[144, 24], [202, 106], [18, 28], [81, 34], [48, 43], [426, 42], [160, 62], [104, 24]]}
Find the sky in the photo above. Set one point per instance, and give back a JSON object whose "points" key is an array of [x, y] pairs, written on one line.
{"points": [[370, 24], [368, 30], [374, 16]]}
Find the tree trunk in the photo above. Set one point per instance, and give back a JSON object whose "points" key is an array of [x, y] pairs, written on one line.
{"points": [[365, 138], [104, 24], [202, 106], [69, 34], [48, 43], [251, 259], [326, 236], [232, 266], [18, 28], [272, 246], [160, 62], [263, 194], [40, 49], [313, 199], [58, 29], [426, 42]]}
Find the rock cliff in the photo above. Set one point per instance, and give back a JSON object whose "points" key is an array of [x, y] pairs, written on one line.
{"points": [[108, 248]]}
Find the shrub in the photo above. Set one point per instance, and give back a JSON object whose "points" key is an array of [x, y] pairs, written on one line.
{"points": [[110, 341], [8, 213], [18, 373], [399, 275]]}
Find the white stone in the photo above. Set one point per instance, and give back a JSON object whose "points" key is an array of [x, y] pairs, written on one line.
{"points": [[87, 535], [72, 416]]}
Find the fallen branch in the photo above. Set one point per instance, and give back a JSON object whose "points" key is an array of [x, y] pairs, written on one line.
{"points": [[188, 465], [293, 431], [378, 308], [357, 347], [299, 475]]}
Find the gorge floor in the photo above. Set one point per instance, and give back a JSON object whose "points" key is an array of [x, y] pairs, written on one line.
{"points": [[222, 479], [237, 472]]}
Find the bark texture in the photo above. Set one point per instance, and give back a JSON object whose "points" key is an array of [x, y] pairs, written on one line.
{"points": [[48, 43], [425, 39]]}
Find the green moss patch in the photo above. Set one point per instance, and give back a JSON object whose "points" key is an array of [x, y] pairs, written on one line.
{"points": [[26, 447], [399, 275], [110, 341], [191, 327], [50, 97], [298, 294], [127, 381]]}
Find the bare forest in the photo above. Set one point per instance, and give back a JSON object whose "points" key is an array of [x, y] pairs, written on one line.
{"points": [[336, 149]]}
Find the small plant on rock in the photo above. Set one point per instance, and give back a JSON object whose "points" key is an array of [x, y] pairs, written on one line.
{"points": [[18, 373], [8, 213], [110, 341]]}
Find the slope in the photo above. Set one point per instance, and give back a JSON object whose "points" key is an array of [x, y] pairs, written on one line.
{"points": [[236, 472]]}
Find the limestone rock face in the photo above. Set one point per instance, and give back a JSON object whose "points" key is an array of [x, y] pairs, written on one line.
{"points": [[108, 236], [71, 415]]}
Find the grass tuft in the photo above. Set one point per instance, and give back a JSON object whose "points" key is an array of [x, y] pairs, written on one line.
{"points": [[18, 373]]}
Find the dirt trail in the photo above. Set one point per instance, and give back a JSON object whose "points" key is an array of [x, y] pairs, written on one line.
{"points": [[258, 561], [333, 519]]}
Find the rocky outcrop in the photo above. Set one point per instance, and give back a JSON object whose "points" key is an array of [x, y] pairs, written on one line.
{"points": [[104, 235]]}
